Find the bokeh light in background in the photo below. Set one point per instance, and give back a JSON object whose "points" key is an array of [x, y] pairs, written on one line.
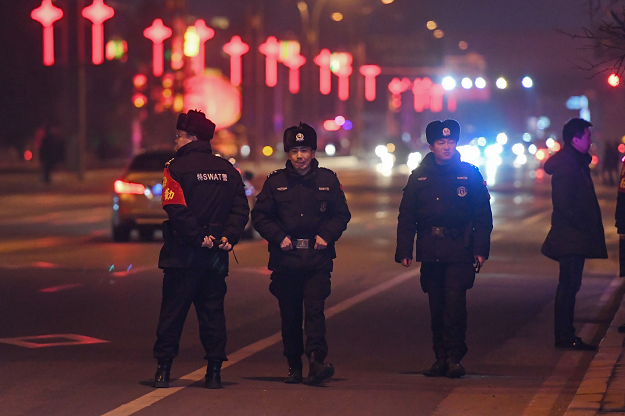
{"points": [[431, 25], [28, 155], [501, 83], [245, 150], [449, 83], [330, 149], [438, 34], [466, 83], [480, 83], [413, 160], [531, 149], [463, 45], [502, 138], [527, 82], [267, 150], [527, 137], [614, 80]]}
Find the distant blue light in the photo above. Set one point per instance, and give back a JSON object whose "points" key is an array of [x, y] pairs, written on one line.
{"points": [[157, 189], [348, 125]]}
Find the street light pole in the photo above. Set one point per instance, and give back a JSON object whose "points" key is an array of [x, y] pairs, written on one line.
{"points": [[81, 138]]}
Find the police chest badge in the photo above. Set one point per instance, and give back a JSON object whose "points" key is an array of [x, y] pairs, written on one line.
{"points": [[299, 137], [462, 191], [324, 206]]}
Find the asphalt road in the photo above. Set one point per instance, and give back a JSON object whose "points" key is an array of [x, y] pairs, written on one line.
{"points": [[79, 312]]}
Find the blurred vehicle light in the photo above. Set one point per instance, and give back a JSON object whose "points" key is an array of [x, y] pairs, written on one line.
{"points": [[122, 187]]}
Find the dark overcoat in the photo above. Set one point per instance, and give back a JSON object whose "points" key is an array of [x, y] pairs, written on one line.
{"points": [[576, 225]]}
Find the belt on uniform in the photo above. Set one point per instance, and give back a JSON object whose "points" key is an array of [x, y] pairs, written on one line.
{"points": [[443, 231], [303, 243]]}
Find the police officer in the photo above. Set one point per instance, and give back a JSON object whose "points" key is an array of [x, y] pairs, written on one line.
{"points": [[447, 204], [205, 200], [301, 211]]}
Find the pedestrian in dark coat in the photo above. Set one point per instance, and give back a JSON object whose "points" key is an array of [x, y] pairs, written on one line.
{"points": [[620, 228], [576, 227], [302, 212], [204, 198], [446, 203]]}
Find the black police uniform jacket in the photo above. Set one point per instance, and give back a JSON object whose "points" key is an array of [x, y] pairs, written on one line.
{"points": [[203, 195], [301, 207], [453, 197], [576, 225]]}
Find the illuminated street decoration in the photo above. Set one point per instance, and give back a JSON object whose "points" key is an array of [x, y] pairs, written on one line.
{"points": [[235, 48], [370, 72], [325, 73], [421, 91], [191, 42], [396, 87], [157, 33], [452, 104], [289, 55], [436, 98], [271, 50], [341, 65], [116, 49], [98, 13], [215, 96], [177, 52], [205, 33], [47, 14]]}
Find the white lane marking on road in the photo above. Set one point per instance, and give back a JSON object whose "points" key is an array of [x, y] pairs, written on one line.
{"points": [[246, 352], [543, 402]]}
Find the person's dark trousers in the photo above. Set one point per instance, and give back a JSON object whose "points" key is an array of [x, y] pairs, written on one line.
{"points": [[446, 285], [206, 289], [570, 280], [301, 296]]}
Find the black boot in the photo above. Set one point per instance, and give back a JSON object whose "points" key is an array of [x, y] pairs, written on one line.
{"points": [[213, 375], [438, 369], [455, 369], [161, 378], [318, 371], [295, 370]]}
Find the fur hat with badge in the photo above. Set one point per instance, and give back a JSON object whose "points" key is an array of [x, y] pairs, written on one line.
{"points": [[195, 123], [448, 129], [302, 135]]}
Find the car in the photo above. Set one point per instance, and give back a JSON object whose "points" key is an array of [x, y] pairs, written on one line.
{"points": [[137, 199]]}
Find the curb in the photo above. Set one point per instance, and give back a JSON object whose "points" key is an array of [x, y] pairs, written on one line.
{"points": [[604, 373]]}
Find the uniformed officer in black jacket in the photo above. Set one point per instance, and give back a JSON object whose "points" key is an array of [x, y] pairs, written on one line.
{"points": [[446, 203], [205, 200], [302, 212]]}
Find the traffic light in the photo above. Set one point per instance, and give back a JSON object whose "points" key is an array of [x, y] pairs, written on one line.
{"points": [[614, 80]]}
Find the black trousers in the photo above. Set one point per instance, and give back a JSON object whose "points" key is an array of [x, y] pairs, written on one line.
{"points": [[206, 289], [446, 285], [301, 296], [569, 283]]}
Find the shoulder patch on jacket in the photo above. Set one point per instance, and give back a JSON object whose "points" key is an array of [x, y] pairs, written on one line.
{"points": [[274, 173]]}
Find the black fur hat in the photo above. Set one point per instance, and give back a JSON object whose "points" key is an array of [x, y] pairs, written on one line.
{"points": [[302, 135], [448, 129], [195, 123]]}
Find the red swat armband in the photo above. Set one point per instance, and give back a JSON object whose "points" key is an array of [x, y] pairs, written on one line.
{"points": [[172, 191]]}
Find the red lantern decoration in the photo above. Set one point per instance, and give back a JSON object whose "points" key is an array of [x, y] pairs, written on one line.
{"points": [[341, 65], [421, 91], [396, 87], [47, 14], [205, 33], [271, 50], [436, 98], [236, 48], [157, 33], [98, 13], [294, 63], [325, 73], [370, 72], [215, 96]]}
